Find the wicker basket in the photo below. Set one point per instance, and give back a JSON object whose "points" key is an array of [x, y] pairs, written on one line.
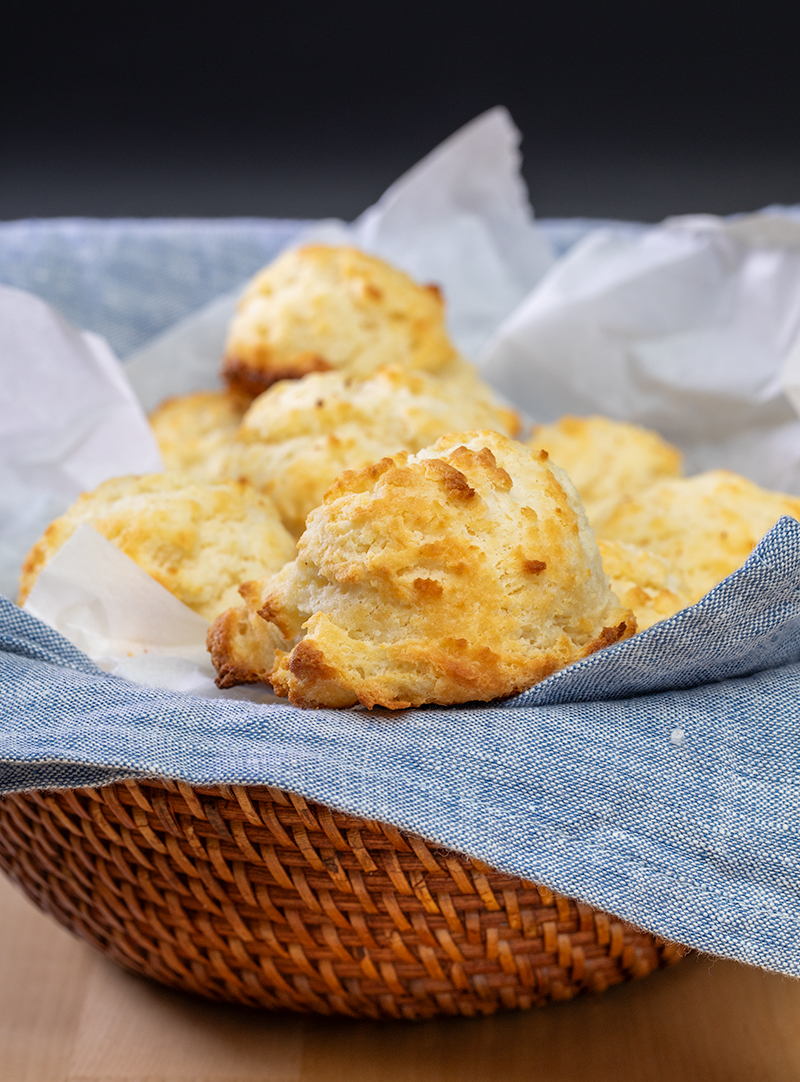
{"points": [[259, 897]]}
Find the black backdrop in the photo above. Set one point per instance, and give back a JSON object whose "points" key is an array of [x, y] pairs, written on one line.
{"points": [[306, 109]]}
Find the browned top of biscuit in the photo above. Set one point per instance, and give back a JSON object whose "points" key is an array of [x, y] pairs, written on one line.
{"points": [[465, 572], [198, 540], [607, 460], [298, 436], [189, 428], [319, 308], [706, 525]]}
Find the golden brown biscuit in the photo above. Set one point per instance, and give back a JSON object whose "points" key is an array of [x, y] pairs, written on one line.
{"points": [[706, 525], [607, 459], [645, 583], [200, 541], [295, 474], [298, 436], [242, 644], [318, 308], [460, 378], [190, 427], [465, 572]]}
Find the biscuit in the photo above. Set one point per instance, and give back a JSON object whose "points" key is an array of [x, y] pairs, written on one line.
{"points": [[467, 571], [319, 308], [242, 644], [607, 459], [200, 541], [705, 526], [647, 584], [298, 436], [189, 428]]}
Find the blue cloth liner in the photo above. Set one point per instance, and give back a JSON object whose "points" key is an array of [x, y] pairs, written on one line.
{"points": [[130, 279], [659, 779]]}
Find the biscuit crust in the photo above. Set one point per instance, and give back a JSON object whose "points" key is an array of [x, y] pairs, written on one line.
{"points": [[644, 582], [607, 460], [298, 437], [318, 308], [242, 644], [198, 540], [465, 572], [705, 526], [189, 428]]}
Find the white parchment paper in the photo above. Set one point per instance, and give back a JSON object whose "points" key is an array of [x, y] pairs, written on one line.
{"points": [[686, 327], [68, 420], [128, 623]]}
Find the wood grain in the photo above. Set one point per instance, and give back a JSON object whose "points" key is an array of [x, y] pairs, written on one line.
{"points": [[67, 1015], [44, 974]]}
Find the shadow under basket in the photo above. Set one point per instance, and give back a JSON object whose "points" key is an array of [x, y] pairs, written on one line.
{"points": [[260, 897]]}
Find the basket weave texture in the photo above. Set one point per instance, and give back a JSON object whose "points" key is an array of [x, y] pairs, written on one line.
{"points": [[260, 897]]}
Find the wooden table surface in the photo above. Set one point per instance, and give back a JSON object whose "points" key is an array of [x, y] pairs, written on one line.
{"points": [[67, 1015]]}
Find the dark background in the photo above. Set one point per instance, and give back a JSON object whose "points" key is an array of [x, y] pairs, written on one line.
{"points": [[628, 109]]}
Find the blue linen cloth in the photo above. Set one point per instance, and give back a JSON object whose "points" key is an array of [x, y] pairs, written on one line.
{"points": [[659, 779], [130, 279]]}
